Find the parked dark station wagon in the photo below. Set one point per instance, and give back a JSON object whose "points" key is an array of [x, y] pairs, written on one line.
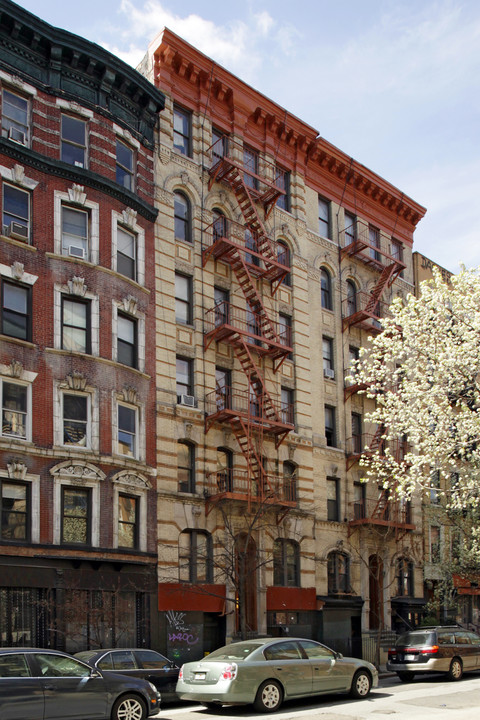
{"points": [[451, 650]]}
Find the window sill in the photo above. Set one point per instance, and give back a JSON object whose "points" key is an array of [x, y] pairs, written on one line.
{"points": [[18, 243], [18, 341]]}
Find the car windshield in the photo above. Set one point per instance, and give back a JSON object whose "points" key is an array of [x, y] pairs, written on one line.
{"points": [[416, 638], [236, 651]]}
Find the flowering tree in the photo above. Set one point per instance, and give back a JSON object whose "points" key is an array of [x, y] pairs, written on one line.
{"points": [[423, 371]]}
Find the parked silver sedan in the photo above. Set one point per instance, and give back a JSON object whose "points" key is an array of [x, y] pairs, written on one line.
{"points": [[267, 672]]}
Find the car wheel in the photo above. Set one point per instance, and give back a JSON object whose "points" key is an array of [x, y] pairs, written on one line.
{"points": [[406, 676], [361, 684], [455, 670], [129, 707], [269, 696]]}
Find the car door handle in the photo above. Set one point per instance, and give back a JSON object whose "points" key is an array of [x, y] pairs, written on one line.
{"points": [[279, 668]]}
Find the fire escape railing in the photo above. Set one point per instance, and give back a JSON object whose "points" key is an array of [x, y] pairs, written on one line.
{"points": [[365, 311], [384, 511], [237, 484]]}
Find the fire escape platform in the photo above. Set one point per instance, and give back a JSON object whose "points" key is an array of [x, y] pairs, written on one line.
{"points": [[234, 486]]}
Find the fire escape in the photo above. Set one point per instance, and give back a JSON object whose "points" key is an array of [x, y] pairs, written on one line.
{"points": [[250, 331], [364, 311]]}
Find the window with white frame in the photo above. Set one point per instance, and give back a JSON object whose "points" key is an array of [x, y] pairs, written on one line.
{"points": [[328, 364], [126, 253], [182, 131], [15, 510], [127, 340], [124, 168], [15, 117], [76, 520], [16, 409], [76, 334], [324, 217], [127, 430], [76, 225], [76, 503], [128, 520], [74, 141], [75, 232], [130, 510], [16, 213], [16, 310]]}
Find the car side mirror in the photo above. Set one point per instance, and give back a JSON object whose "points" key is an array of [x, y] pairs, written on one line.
{"points": [[338, 656], [95, 673]]}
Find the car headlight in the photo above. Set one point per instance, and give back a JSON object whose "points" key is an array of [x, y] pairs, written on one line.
{"points": [[153, 688]]}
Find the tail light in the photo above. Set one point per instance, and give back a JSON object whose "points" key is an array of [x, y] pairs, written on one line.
{"points": [[229, 672], [180, 674], [429, 650]]}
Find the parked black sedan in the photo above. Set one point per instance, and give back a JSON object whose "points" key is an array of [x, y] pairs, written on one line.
{"points": [[52, 685], [147, 664]]}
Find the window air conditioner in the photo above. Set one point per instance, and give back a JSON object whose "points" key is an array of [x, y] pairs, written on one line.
{"points": [[17, 231], [77, 252], [16, 135], [329, 373], [77, 163], [188, 400]]}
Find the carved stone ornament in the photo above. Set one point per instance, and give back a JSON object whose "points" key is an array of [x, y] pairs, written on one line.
{"points": [[188, 427], [164, 154], [17, 470], [16, 369], [76, 286], [18, 270], [77, 195], [133, 480], [129, 217], [184, 178], [129, 394], [291, 452], [76, 380], [18, 174], [77, 473], [130, 304]]}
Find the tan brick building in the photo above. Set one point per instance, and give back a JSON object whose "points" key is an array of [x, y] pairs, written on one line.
{"points": [[276, 256]]}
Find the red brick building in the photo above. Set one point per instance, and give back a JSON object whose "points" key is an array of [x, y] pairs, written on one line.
{"points": [[77, 367]]}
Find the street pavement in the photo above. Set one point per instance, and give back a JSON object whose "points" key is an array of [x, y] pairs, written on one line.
{"points": [[406, 701]]}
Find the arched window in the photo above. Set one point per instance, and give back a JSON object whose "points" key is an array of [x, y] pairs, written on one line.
{"points": [[182, 214], [186, 466], [351, 298], [338, 568], [283, 257], [224, 469], [326, 289], [286, 563], [195, 556], [404, 577], [290, 480]]}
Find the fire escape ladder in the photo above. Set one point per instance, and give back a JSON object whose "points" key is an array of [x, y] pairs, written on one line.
{"points": [[385, 280], [256, 381], [254, 300]]}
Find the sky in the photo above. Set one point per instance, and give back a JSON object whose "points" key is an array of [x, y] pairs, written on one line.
{"points": [[392, 83]]}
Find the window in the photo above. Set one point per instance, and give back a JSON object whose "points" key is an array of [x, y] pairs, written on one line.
{"points": [[250, 164], [251, 244], [434, 544], [127, 343], [186, 467], [359, 501], [253, 324], [127, 431], [404, 577], [326, 289], [333, 499], [16, 310], [124, 166], [127, 521], [350, 229], [287, 406], [75, 420], [374, 241], [195, 556], [324, 217], [285, 331], [357, 444], [76, 516], [222, 306], [219, 145], [224, 470], [330, 433], [16, 213], [290, 480], [181, 211], [14, 510], [282, 181], [75, 325], [434, 486], [396, 249], [338, 568], [184, 376], [283, 257], [75, 233], [73, 141], [351, 298], [220, 227], [14, 117], [15, 410], [327, 351], [183, 299], [286, 563], [126, 253], [182, 131], [223, 386]]}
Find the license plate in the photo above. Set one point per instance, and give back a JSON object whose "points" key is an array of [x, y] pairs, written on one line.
{"points": [[200, 675], [409, 658]]}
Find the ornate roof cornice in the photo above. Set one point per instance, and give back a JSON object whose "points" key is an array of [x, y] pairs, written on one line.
{"points": [[66, 65]]}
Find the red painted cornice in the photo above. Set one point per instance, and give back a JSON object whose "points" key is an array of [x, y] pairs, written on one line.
{"points": [[198, 83]]}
